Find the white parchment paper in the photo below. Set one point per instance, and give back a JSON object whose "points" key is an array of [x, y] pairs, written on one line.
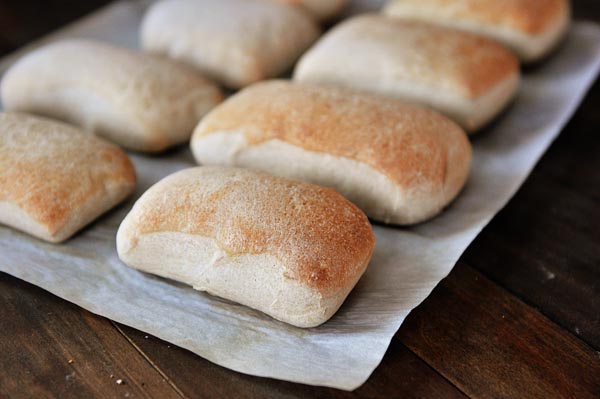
{"points": [[407, 264]]}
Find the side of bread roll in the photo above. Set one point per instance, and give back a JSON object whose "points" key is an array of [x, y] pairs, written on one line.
{"points": [[323, 10], [290, 249], [466, 77], [139, 102], [531, 28], [55, 178], [398, 162], [236, 42]]}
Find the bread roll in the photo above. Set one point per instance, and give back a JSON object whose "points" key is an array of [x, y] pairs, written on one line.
{"points": [[236, 42], [323, 10], [287, 248], [531, 28], [140, 102], [56, 179], [398, 162], [466, 77]]}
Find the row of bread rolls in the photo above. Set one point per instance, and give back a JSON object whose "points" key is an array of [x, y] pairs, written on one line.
{"points": [[445, 54], [293, 250]]}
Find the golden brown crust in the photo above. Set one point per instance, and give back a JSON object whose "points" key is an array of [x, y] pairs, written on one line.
{"points": [[407, 143], [529, 16], [322, 239], [50, 169]]}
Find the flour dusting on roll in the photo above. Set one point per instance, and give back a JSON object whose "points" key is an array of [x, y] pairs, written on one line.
{"points": [[55, 178], [288, 248]]}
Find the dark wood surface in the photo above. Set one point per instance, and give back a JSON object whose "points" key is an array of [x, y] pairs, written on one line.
{"points": [[519, 316]]}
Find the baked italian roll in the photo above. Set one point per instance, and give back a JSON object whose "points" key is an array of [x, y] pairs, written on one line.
{"points": [[531, 28], [235, 42], [55, 178], [288, 248], [399, 162], [466, 77], [140, 102]]}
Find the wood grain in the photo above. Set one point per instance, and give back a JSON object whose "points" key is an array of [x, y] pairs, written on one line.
{"points": [[52, 348], [545, 245], [491, 345], [401, 374]]}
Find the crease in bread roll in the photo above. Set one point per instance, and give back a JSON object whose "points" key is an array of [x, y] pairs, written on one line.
{"points": [[288, 248], [531, 28], [466, 77], [140, 102], [400, 163], [235, 42], [55, 178], [323, 10]]}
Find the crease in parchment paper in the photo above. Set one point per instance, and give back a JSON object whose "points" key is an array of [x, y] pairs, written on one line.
{"points": [[407, 264]]}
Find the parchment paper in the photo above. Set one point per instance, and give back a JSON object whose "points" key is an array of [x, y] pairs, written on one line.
{"points": [[407, 264]]}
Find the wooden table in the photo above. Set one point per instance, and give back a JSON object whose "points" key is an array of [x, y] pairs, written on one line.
{"points": [[518, 317]]}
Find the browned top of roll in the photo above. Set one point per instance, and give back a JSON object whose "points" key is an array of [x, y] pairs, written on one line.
{"points": [[322, 239], [406, 142]]}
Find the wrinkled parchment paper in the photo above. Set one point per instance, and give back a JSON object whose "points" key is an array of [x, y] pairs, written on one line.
{"points": [[407, 264]]}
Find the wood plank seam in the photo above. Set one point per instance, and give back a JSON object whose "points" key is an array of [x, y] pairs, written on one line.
{"points": [[152, 364], [425, 346], [433, 369], [532, 306], [53, 348]]}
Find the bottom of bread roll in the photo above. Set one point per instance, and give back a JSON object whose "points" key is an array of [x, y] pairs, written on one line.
{"points": [[13, 216], [255, 280], [96, 205]]}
